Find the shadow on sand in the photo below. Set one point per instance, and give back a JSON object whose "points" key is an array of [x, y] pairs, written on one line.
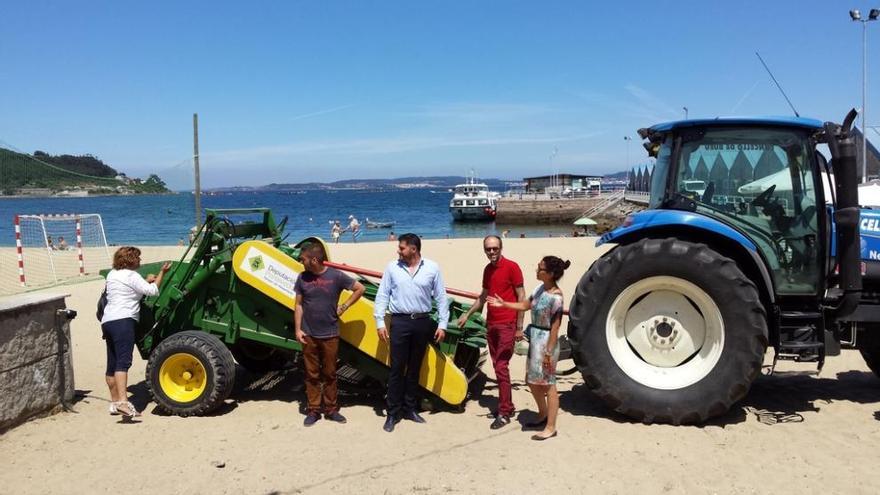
{"points": [[780, 398]]}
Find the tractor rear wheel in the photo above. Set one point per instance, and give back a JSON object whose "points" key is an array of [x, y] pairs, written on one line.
{"points": [[667, 331], [869, 347], [190, 373]]}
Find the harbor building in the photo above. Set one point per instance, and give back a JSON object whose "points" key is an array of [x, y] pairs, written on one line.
{"points": [[573, 182]]}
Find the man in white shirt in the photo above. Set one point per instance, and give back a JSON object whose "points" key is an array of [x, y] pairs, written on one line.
{"points": [[408, 288]]}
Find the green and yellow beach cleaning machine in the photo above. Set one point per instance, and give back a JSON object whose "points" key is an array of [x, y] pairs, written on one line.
{"points": [[230, 299]]}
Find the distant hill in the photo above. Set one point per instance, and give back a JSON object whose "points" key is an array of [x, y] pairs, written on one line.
{"points": [[435, 182], [43, 174], [431, 182], [617, 176]]}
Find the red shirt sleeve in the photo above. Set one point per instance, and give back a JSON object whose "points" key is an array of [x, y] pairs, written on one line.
{"points": [[516, 276], [486, 277]]}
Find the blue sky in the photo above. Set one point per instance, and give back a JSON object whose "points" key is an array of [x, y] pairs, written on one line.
{"points": [[320, 91]]}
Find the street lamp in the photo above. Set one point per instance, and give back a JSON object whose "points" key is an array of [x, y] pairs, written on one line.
{"points": [[627, 139], [855, 15], [685, 112]]}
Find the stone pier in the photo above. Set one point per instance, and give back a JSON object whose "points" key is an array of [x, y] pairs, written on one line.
{"points": [[531, 210]]}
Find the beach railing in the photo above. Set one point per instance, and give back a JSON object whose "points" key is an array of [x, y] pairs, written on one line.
{"points": [[608, 202], [638, 197]]}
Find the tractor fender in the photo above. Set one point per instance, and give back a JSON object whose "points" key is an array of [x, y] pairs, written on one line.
{"points": [[696, 228]]}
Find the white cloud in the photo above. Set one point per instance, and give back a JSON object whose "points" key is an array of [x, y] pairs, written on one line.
{"points": [[320, 112], [383, 145]]}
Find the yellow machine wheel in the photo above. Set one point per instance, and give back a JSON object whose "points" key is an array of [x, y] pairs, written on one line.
{"points": [[190, 373], [182, 377]]}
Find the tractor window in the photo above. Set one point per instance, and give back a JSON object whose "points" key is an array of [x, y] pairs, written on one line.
{"points": [[760, 181], [660, 174]]}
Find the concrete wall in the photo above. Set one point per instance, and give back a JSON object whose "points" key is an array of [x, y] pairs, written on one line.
{"points": [[526, 210], [36, 371]]}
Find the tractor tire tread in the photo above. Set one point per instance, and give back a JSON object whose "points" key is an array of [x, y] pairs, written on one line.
{"points": [[220, 367], [591, 293]]}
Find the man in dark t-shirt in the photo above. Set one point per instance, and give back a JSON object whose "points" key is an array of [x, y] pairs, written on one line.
{"points": [[501, 277], [316, 321]]}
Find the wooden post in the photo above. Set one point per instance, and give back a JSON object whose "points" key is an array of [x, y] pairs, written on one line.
{"points": [[198, 188]]}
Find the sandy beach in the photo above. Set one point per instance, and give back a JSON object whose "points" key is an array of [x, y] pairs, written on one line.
{"points": [[796, 431]]}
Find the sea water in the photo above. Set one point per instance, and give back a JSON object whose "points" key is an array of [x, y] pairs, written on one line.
{"points": [[167, 219]]}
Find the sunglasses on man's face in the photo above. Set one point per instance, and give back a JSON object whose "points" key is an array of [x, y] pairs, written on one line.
{"points": [[491, 249]]}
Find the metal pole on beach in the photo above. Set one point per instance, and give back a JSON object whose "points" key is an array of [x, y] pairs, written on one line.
{"points": [[198, 185], [855, 15]]}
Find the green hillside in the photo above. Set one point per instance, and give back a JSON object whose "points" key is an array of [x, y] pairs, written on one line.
{"points": [[43, 173]]}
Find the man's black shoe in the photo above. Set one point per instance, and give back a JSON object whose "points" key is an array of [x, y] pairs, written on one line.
{"points": [[390, 421], [499, 422], [336, 417], [414, 416], [311, 419]]}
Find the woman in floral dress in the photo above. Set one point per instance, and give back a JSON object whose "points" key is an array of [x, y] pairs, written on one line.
{"points": [[545, 304]]}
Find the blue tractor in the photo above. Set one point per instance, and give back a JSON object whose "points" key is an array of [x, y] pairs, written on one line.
{"points": [[673, 323]]}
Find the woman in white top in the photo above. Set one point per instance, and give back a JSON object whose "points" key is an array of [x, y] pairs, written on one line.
{"points": [[125, 289]]}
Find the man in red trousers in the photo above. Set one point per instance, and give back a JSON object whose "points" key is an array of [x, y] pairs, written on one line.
{"points": [[505, 326]]}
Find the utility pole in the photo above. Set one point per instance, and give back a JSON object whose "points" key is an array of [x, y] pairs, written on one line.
{"points": [[873, 15], [198, 188], [864, 100]]}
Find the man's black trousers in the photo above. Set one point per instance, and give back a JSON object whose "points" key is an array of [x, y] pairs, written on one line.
{"points": [[409, 340]]}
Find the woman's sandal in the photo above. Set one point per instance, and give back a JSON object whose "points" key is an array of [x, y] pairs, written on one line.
{"points": [[542, 438], [127, 409], [112, 409]]}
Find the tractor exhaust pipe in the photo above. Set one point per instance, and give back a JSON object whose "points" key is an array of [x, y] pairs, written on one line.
{"points": [[846, 214]]}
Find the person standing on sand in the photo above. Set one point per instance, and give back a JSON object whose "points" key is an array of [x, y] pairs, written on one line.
{"points": [[406, 291], [391, 236], [355, 227], [316, 323], [125, 287], [546, 306], [503, 277], [336, 231]]}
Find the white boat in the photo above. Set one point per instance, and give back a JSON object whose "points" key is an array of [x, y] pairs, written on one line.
{"points": [[472, 201], [379, 225]]}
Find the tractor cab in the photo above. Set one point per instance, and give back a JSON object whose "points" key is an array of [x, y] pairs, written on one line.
{"points": [[759, 178]]}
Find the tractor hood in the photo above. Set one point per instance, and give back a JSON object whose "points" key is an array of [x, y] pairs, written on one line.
{"points": [[655, 219]]}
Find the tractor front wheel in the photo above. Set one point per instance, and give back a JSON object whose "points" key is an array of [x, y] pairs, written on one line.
{"points": [[667, 331], [190, 373]]}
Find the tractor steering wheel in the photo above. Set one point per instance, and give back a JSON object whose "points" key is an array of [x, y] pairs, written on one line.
{"points": [[763, 199]]}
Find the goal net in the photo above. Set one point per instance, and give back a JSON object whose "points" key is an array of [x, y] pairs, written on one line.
{"points": [[56, 248]]}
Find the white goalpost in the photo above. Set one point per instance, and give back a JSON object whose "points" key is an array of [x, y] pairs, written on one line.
{"points": [[54, 248]]}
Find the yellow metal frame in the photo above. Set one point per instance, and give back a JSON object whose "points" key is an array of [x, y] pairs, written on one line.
{"points": [[438, 373]]}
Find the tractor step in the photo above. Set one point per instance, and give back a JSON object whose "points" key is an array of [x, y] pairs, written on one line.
{"points": [[795, 346], [800, 315]]}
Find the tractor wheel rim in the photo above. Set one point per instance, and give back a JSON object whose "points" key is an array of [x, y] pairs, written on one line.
{"points": [[665, 332], [182, 377]]}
